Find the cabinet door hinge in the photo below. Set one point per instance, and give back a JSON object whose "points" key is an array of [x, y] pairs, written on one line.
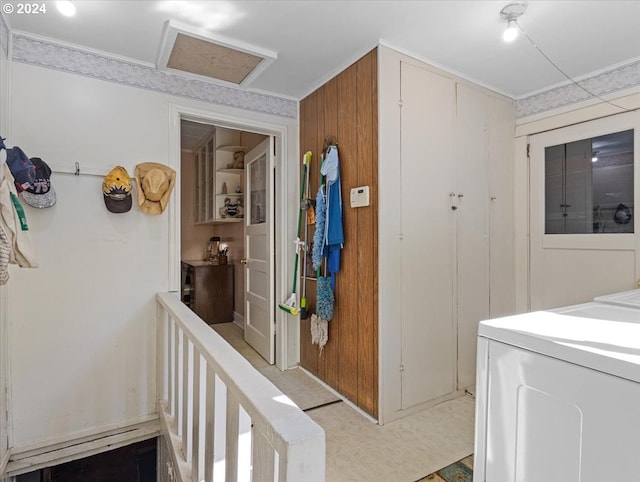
{"points": [[400, 103], [401, 368], [528, 151]]}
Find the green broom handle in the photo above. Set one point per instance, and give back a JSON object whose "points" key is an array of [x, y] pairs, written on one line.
{"points": [[305, 159]]}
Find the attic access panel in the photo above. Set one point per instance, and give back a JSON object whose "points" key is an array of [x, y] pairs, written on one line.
{"points": [[211, 58]]}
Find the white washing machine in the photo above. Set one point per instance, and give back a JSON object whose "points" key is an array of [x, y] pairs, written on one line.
{"points": [[558, 395], [625, 298], [603, 311]]}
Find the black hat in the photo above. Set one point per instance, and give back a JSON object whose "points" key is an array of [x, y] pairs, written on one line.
{"points": [[40, 193]]}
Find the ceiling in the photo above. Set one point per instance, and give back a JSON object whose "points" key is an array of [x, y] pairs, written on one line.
{"points": [[314, 40]]}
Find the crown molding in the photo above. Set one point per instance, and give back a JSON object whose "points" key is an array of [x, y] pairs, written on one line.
{"points": [[47, 54]]}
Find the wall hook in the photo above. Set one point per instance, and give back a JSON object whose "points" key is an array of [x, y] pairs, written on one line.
{"points": [[77, 173], [330, 140]]}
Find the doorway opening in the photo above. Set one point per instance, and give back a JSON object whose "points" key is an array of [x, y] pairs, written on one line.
{"points": [[219, 208]]}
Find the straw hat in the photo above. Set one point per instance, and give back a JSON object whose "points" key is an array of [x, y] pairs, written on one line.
{"points": [[155, 182]]}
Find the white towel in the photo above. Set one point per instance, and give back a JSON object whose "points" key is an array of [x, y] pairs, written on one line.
{"points": [[22, 251]]}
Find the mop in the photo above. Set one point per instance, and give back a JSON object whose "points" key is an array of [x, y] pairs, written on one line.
{"points": [[291, 304]]}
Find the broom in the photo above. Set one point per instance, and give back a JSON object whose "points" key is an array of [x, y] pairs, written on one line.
{"points": [[291, 304], [307, 206]]}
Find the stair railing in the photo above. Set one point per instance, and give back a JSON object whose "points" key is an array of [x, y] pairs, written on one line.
{"points": [[221, 419]]}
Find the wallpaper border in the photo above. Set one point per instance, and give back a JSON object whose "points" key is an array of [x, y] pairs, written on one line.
{"points": [[97, 66], [609, 82]]}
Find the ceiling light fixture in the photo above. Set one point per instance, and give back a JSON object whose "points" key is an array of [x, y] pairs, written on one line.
{"points": [[66, 8], [511, 13], [594, 157]]}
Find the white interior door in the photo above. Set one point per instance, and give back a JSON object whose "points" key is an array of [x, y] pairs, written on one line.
{"points": [[259, 245], [578, 251]]}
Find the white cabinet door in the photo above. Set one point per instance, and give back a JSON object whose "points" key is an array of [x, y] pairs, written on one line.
{"points": [[427, 140], [472, 226], [553, 421], [445, 231]]}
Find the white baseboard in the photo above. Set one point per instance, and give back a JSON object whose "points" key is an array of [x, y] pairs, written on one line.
{"points": [[238, 319], [34, 457]]}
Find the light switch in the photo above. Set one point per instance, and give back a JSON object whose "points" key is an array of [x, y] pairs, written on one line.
{"points": [[360, 196]]}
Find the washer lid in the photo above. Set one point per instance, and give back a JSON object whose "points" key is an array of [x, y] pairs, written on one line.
{"points": [[610, 345]]}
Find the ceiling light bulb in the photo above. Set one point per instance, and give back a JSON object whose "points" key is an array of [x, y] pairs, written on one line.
{"points": [[594, 159], [66, 8], [511, 13], [511, 31]]}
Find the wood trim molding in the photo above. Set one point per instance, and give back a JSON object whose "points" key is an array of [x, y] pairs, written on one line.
{"points": [[34, 457]]}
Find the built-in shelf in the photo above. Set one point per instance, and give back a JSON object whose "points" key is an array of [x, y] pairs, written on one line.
{"points": [[231, 171], [228, 173], [228, 220], [232, 148]]}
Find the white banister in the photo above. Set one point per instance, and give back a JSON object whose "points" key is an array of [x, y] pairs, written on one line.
{"points": [[222, 419]]}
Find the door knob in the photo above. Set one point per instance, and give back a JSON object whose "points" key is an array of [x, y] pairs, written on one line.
{"points": [[244, 260]]}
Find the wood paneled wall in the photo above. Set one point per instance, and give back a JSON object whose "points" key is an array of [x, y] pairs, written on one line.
{"points": [[347, 107]]}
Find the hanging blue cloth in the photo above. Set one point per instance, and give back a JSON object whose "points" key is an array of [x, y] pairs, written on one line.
{"points": [[318, 236], [334, 233]]}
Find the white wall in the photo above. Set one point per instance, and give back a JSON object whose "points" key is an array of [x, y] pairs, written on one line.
{"points": [[83, 323]]}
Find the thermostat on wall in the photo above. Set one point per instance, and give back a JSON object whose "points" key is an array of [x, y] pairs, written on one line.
{"points": [[360, 196]]}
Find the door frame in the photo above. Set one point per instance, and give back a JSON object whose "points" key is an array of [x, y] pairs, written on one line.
{"points": [[286, 175]]}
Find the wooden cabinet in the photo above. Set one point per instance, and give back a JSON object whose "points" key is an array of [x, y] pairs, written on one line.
{"points": [[208, 290]]}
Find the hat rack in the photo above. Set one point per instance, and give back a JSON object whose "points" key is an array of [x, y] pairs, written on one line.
{"points": [[76, 170]]}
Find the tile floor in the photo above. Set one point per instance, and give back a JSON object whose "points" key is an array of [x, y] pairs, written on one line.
{"points": [[358, 450]]}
